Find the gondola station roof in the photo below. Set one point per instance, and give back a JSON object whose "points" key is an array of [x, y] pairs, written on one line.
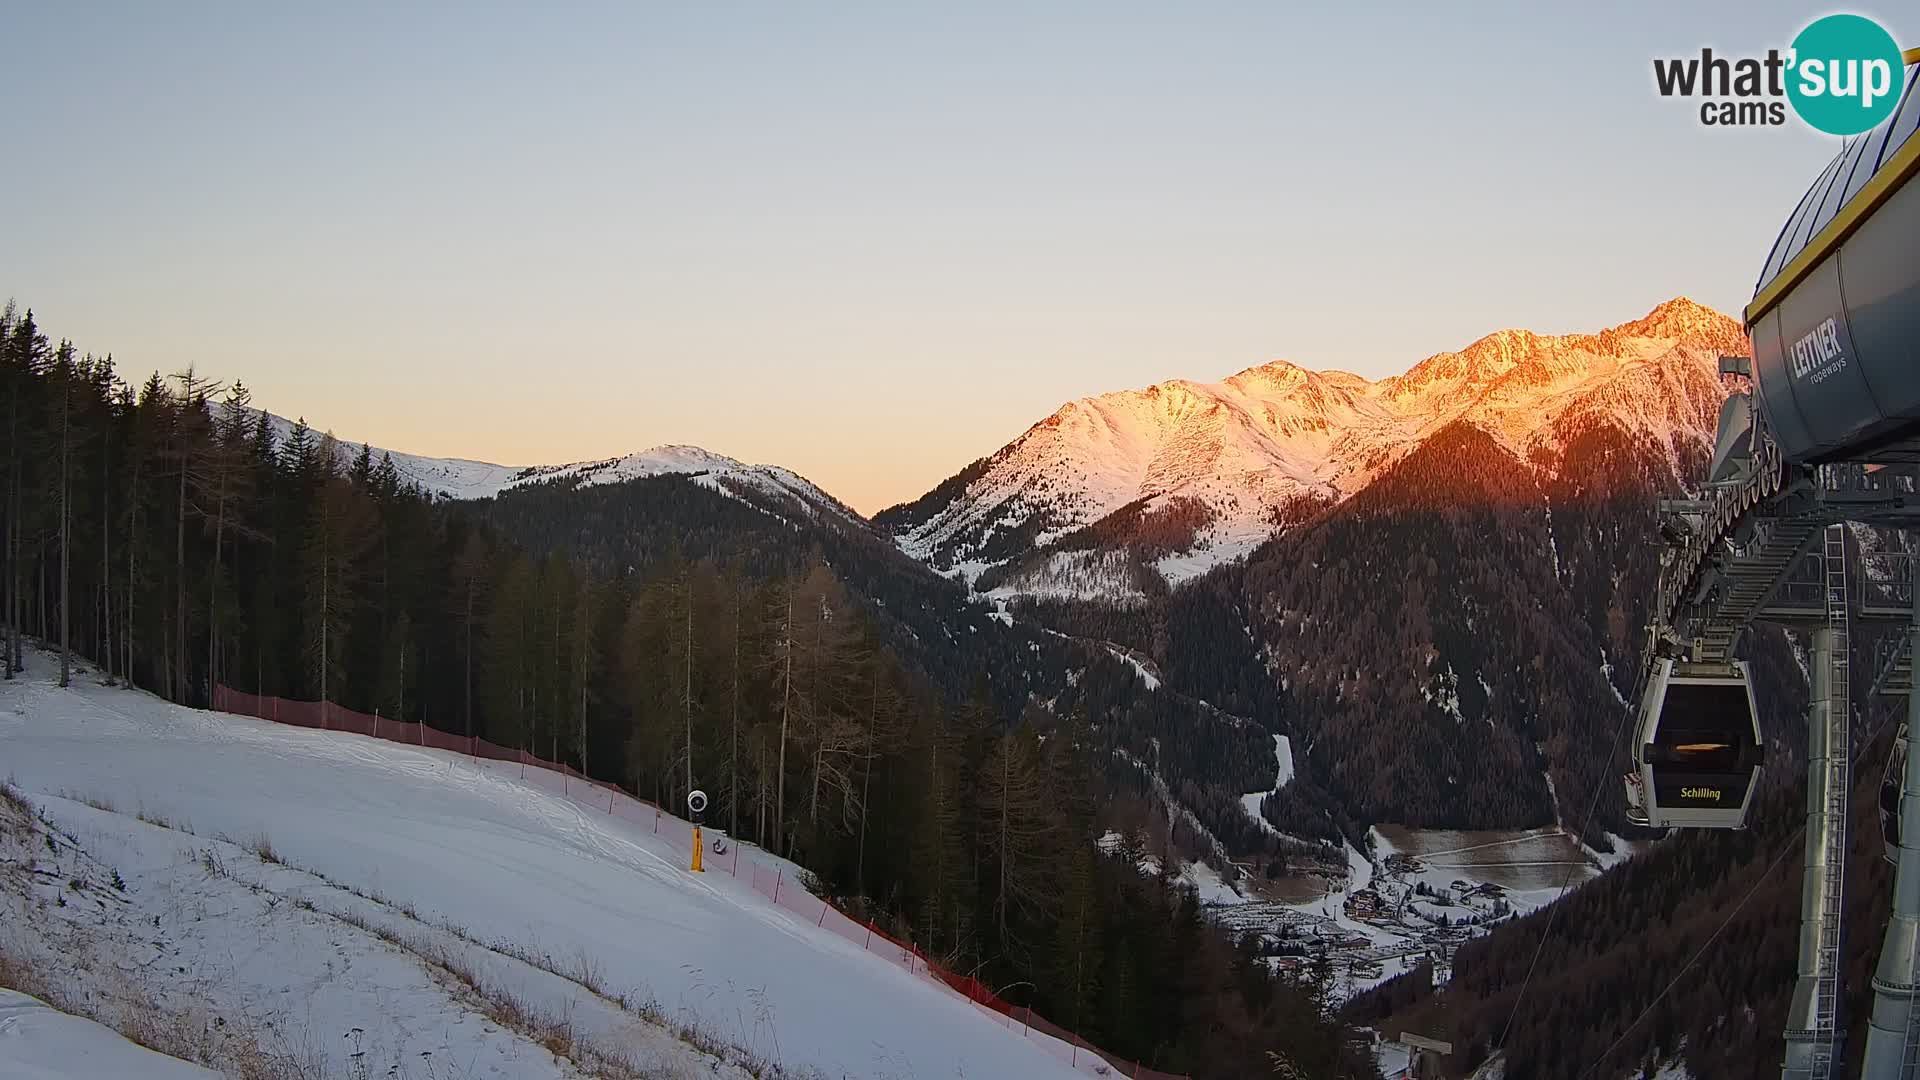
{"points": [[1835, 317], [1884, 153]]}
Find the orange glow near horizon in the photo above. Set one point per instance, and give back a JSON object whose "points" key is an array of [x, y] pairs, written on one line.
{"points": [[870, 246]]}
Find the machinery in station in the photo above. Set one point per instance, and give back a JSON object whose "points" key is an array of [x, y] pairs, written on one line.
{"points": [[1890, 786], [1822, 433]]}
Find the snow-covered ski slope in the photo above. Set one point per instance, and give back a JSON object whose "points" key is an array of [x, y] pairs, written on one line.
{"points": [[471, 846]]}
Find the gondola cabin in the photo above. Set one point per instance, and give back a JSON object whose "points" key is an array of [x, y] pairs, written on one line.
{"points": [[1697, 748]]}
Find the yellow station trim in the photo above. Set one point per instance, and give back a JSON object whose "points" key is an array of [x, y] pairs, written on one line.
{"points": [[1882, 187], [1878, 190]]}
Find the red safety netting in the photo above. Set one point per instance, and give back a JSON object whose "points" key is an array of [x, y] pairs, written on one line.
{"points": [[770, 879]]}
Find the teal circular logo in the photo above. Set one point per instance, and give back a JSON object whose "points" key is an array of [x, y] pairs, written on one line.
{"points": [[1845, 74]]}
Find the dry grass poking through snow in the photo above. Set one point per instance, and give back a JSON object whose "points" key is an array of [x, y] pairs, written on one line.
{"points": [[162, 821], [11, 798], [263, 849], [199, 1036], [16, 813], [98, 802], [115, 998], [555, 1033]]}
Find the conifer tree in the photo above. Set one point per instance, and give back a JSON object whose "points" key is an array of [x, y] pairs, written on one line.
{"points": [[733, 717], [657, 658], [1020, 836], [108, 389], [505, 679], [227, 485], [783, 656], [883, 733], [25, 359], [339, 532], [469, 588], [585, 661], [190, 450], [64, 374], [391, 699]]}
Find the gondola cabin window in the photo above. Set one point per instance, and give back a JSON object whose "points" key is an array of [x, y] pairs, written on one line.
{"points": [[1704, 728]]}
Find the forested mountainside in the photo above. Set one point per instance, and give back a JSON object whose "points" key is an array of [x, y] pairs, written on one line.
{"points": [[1453, 644], [1159, 745], [643, 523], [1557, 448], [1685, 953], [168, 535], [1449, 634], [1450, 647], [1445, 611]]}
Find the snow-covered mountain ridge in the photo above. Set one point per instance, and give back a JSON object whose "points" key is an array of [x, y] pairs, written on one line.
{"points": [[1205, 472], [463, 478]]}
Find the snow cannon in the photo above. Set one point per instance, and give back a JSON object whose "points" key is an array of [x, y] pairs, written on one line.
{"points": [[1835, 317], [697, 807]]}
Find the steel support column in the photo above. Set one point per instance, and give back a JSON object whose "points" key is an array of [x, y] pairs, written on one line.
{"points": [[1893, 1033], [1814, 1034]]}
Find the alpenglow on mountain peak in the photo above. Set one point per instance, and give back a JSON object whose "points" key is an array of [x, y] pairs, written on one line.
{"points": [[1211, 470]]}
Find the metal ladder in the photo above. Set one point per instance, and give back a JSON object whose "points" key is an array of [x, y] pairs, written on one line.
{"points": [[1840, 724]]}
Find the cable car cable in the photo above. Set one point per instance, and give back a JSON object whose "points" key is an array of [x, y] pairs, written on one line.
{"points": [[1764, 877], [1630, 713], [1553, 908]]}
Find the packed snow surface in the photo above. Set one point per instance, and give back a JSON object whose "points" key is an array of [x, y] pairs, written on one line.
{"points": [[1534, 867], [39, 1042], [1283, 756], [442, 842], [1209, 886], [1395, 1059], [1148, 678]]}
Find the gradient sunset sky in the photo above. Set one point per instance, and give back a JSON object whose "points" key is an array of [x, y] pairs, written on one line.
{"points": [[870, 242]]}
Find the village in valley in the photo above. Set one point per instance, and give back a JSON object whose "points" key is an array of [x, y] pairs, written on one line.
{"points": [[1386, 916]]}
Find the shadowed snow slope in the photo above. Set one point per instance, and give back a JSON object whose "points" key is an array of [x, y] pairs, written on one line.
{"points": [[39, 1042], [504, 862]]}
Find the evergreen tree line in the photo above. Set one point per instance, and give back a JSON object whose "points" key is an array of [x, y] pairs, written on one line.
{"points": [[1208, 757], [178, 539]]}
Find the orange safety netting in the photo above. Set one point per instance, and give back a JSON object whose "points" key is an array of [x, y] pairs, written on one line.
{"points": [[770, 881]]}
